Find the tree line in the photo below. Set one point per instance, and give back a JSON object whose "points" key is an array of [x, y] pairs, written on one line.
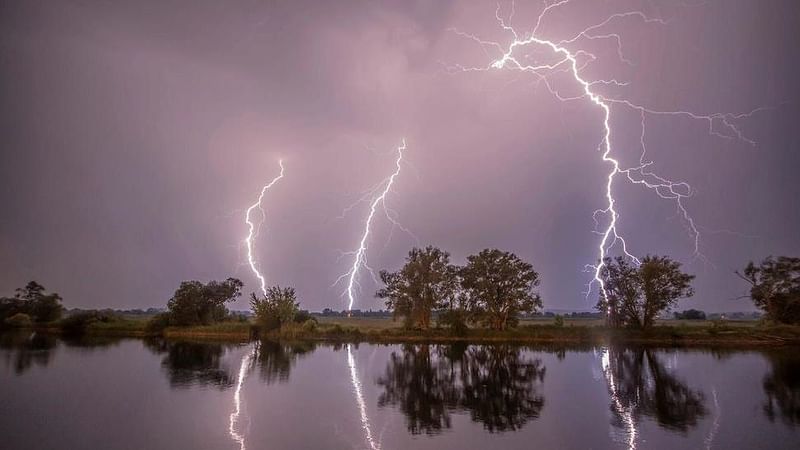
{"points": [[492, 290]]}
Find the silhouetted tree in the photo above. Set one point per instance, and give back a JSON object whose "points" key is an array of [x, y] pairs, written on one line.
{"points": [[33, 301], [195, 303], [276, 308], [775, 287], [426, 282], [636, 295], [498, 286], [690, 314]]}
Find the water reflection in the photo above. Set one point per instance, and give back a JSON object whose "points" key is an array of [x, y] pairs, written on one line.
{"points": [[192, 363], [26, 349], [362, 406], [640, 385], [498, 385], [275, 360], [782, 386], [233, 426]]}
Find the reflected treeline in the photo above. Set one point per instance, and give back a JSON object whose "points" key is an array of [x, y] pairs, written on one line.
{"points": [[275, 360], [498, 385], [190, 363], [782, 386], [641, 385], [24, 349], [193, 363]]}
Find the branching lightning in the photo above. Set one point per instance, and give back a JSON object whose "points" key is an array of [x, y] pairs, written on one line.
{"points": [[572, 62], [253, 229], [378, 195]]}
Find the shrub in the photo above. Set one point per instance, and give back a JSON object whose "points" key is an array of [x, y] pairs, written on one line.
{"points": [[76, 324], [19, 320], [559, 321], [310, 326], [157, 323], [455, 319], [303, 316], [277, 307]]}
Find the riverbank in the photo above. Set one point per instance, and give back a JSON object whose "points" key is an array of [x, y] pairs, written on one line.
{"points": [[668, 333]]}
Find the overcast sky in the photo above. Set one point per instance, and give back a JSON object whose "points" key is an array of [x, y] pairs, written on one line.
{"points": [[135, 134]]}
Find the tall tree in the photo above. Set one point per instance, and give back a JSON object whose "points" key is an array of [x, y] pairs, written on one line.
{"points": [[195, 303], [33, 301], [498, 286], [636, 295], [426, 282], [775, 287]]}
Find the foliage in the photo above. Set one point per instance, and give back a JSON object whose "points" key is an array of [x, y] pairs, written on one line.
{"points": [[426, 282], [559, 321], [303, 316], [690, 314], [455, 319], [77, 324], [634, 296], [195, 303], [158, 323], [19, 320], [33, 301], [775, 287], [276, 308], [498, 286]]}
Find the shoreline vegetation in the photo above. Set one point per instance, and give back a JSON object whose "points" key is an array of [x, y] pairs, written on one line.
{"points": [[677, 333]]}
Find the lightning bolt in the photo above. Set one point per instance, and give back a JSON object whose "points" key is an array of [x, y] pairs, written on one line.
{"points": [[253, 228], [237, 403], [360, 255], [362, 405], [572, 62]]}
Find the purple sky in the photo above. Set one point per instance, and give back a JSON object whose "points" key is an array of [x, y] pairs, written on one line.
{"points": [[136, 134]]}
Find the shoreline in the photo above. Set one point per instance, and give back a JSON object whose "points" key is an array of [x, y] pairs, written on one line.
{"points": [[715, 335]]}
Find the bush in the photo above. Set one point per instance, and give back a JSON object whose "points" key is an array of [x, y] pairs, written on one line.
{"points": [[19, 320], [310, 326], [76, 324], [276, 308], [559, 321], [303, 316], [157, 323]]}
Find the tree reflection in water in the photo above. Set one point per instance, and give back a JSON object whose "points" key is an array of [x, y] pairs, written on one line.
{"points": [[24, 349], [192, 363], [276, 359], [640, 385], [782, 386], [496, 384]]}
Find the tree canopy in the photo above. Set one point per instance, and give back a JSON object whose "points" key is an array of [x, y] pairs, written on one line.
{"points": [[775, 287], [276, 308], [498, 286], [426, 282], [634, 296], [195, 303], [33, 301]]}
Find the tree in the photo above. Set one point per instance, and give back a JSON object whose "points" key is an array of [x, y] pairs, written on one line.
{"points": [[690, 314], [276, 308], [426, 282], [635, 296], [498, 286], [33, 301], [195, 303], [775, 287]]}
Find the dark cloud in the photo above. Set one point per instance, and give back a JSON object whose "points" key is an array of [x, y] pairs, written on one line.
{"points": [[134, 135]]}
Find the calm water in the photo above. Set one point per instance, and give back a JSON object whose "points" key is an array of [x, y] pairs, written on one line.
{"points": [[134, 394]]}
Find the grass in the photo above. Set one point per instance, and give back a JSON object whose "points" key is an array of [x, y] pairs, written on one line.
{"points": [[539, 330]]}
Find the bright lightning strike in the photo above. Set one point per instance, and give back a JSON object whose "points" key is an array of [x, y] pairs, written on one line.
{"points": [[360, 255], [254, 228], [236, 435], [572, 62]]}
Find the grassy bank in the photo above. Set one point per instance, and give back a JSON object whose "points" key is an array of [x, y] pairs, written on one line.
{"points": [[342, 329]]}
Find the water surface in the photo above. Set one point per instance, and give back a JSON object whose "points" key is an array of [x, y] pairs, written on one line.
{"points": [[159, 394]]}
